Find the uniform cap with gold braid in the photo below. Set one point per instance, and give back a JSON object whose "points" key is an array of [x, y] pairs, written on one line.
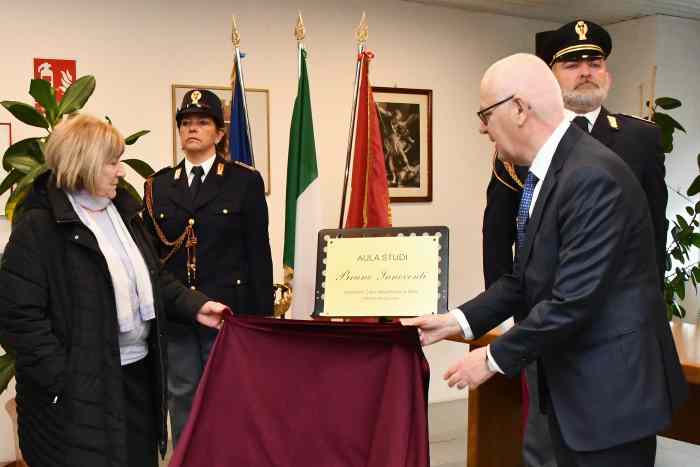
{"points": [[575, 40], [201, 101]]}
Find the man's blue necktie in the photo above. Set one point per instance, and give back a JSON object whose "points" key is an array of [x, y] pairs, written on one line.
{"points": [[524, 210]]}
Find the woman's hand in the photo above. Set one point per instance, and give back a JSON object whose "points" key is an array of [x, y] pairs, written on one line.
{"points": [[212, 314]]}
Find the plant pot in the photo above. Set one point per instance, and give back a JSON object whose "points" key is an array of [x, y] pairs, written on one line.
{"points": [[11, 407]]}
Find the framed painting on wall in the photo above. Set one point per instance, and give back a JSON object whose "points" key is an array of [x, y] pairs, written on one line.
{"points": [[406, 123], [258, 101], [5, 142]]}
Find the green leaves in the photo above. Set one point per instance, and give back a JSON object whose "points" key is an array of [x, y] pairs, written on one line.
{"points": [[45, 95], [26, 147], [140, 167], [131, 139], [666, 121], [667, 103], [694, 187], [26, 114], [7, 370], [13, 177], [77, 95], [130, 189]]}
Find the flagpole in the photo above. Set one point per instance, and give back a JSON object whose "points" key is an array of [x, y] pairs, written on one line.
{"points": [[300, 34], [236, 39], [361, 35]]}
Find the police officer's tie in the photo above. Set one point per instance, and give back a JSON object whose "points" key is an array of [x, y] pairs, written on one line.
{"points": [[581, 122], [524, 211], [196, 184]]}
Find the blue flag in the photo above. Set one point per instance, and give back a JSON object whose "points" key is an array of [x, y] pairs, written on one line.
{"points": [[238, 144]]}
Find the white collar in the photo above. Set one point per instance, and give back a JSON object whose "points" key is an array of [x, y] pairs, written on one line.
{"points": [[591, 116], [543, 158], [206, 166]]}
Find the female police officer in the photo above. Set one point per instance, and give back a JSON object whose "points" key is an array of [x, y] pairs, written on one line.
{"points": [[210, 218]]}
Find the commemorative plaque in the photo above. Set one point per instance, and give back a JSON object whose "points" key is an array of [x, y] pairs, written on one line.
{"points": [[392, 272]]}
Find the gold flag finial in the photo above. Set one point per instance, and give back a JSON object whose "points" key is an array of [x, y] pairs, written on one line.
{"points": [[235, 35], [300, 30], [362, 30]]}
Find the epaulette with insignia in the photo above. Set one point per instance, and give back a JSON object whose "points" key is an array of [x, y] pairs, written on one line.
{"points": [[648, 122], [244, 165]]}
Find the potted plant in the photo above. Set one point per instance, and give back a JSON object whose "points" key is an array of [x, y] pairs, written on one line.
{"points": [[24, 161], [685, 231]]}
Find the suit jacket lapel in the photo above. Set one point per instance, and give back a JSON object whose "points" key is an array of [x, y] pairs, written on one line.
{"points": [[212, 184], [602, 131], [179, 191], [570, 138]]}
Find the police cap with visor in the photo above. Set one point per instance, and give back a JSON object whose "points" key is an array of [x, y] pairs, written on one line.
{"points": [[201, 102], [574, 41]]}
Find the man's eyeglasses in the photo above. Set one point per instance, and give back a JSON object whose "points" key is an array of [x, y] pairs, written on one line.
{"points": [[484, 114]]}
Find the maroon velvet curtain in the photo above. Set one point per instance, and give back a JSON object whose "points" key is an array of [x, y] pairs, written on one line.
{"points": [[309, 394]]}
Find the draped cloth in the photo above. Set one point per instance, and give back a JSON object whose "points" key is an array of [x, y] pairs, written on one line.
{"points": [[289, 393]]}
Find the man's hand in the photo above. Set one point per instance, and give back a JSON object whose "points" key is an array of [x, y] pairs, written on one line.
{"points": [[471, 371], [434, 328], [212, 314]]}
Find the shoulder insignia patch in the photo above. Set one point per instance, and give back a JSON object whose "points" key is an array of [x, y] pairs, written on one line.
{"points": [[648, 122], [613, 122], [245, 166]]}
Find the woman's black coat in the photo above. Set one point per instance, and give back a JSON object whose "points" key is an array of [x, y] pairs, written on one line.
{"points": [[57, 312]]}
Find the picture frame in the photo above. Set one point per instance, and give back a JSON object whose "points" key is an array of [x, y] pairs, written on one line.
{"points": [[258, 101], [5, 142], [406, 124]]}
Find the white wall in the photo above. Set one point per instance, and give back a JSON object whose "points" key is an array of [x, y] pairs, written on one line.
{"points": [[138, 49]]}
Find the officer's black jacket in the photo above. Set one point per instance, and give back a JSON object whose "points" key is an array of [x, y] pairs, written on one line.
{"points": [[234, 263], [498, 230], [638, 143]]}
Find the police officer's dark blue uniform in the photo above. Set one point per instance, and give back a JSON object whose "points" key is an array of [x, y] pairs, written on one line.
{"points": [[215, 240]]}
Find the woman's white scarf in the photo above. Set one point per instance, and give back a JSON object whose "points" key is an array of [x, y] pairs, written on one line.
{"points": [[117, 270]]}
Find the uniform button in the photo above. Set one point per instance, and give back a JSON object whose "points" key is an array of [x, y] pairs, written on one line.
{"points": [[76, 237], [225, 211], [193, 287], [238, 282], [191, 221], [162, 216]]}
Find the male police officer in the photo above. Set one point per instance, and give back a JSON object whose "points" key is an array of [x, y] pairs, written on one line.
{"points": [[577, 54], [210, 218]]}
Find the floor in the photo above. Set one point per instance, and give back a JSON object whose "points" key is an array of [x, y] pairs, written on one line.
{"points": [[448, 442]]}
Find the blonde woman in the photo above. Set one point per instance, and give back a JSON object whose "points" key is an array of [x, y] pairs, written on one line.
{"points": [[82, 302]]}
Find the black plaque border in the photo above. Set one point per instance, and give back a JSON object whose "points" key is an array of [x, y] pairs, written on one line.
{"points": [[444, 269]]}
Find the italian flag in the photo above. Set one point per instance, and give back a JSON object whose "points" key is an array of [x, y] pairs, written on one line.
{"points": [[303, 203]]}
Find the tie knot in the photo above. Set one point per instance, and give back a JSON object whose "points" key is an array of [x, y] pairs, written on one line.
{"points": [[581, 122], [197, 170]]}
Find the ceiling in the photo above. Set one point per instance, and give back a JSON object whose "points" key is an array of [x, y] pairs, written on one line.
{"points": [[600, 11]]}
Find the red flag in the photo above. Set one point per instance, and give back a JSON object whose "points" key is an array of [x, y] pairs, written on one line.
{"points": [[369, 197]]}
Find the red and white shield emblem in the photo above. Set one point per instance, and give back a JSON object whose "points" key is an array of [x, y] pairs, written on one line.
{"points": [[60, 73]]}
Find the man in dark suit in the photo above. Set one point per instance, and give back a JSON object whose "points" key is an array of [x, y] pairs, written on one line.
{"points": [[210, 218], [585, 288], [577, 53]]}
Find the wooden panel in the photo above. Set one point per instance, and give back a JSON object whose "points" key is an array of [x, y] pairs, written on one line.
{"points": [[684, 426], [494, 423]]}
